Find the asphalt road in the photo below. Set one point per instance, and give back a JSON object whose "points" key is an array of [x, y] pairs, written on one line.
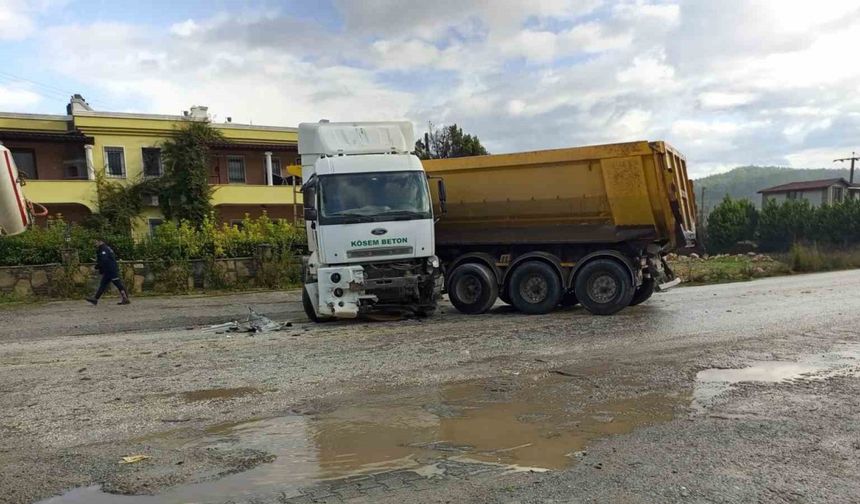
{"points": [[565, 407]]}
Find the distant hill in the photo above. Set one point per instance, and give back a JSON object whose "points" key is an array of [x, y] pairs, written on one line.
{"points": [[745, 181]]}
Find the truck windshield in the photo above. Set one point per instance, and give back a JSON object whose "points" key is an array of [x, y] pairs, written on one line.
{"points": [[373, 197]]}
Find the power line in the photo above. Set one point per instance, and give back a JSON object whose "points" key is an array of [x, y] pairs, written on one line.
{"points": [[49, 93], [42, 85], [853, 158], [51, 90]]}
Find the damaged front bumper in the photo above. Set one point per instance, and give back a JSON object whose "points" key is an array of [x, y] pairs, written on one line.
{"points": [[347, 291]]}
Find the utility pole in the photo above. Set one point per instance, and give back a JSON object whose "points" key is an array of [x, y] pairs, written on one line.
{"points": [[701, 231], [853, 159]]}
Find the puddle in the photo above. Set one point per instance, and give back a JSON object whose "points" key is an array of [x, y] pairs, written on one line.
{"points": [[528, 422], [218, 393], [710, 383]]}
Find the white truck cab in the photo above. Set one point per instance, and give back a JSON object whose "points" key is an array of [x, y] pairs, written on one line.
{"points": [[369, 221]]}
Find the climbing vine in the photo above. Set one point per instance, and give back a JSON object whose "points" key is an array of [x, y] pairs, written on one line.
{"points": [[184, 190]]}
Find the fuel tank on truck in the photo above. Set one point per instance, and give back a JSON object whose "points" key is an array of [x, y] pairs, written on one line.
{"points": [[636, 191], [14, 217]]}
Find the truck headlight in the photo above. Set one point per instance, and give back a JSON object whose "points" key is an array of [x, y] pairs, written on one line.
{"points": [[433, 262], [335, 278]]}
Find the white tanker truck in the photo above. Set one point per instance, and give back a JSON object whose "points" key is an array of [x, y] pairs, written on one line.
{"points": [[15, 212]]}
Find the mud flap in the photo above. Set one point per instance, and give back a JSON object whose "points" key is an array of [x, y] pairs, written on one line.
{"points": [[663, 275]]}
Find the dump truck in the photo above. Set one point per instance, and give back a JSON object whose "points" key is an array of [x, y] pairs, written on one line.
{"points": [[587, 225], [369, 221]]}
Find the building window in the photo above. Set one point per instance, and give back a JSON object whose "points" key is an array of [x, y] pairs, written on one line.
{"points": [[236, 169], [115, 162], [152, 162], [238, 223], [837, 194], [793, 195], [25, 160], [153, 225]]}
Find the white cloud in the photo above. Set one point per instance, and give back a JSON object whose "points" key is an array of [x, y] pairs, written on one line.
{"points": [[185, 28], [649, 72], [17, 18], [820, 157], [18, 98], [729, 83], [722, 100], [264, 85]]}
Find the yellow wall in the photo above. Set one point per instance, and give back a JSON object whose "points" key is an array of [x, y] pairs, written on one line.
{"points": [[140, 226], [47, 192], [132, 149], [254, 194], [35, 123]]}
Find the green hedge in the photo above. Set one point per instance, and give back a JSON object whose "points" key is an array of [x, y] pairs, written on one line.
{"points": [[778, 226], [170, 242]]}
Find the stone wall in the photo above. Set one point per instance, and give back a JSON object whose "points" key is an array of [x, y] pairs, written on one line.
{"points": [[71, 280]]}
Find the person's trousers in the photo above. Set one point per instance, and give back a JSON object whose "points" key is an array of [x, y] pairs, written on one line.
{"points": [[105, 283]]}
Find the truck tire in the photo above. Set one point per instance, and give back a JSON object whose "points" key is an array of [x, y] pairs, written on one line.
{"points": [[643, 292], [309, 307], [472, 288], [604, 287], [534, 288]]}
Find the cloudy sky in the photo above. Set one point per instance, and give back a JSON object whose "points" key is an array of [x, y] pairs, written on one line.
{"points": [[728, 82]]}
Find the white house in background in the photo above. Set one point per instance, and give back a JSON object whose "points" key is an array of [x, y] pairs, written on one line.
{"points": [[817, 192]]}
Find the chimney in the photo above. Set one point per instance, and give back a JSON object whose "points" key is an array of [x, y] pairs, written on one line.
{"points": [[199, 113], [77, 104]]}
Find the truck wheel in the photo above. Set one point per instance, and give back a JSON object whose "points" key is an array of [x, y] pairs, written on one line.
{"points": [[603, 287], [309, 307], [535, 288], [472, 288], [643, 292]]}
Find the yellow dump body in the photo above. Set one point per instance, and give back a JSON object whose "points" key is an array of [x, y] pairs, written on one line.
{"points": [[637, 191]]}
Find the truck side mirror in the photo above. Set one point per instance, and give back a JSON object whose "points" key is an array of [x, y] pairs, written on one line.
{"points": [[310, 214], [443, 196]]}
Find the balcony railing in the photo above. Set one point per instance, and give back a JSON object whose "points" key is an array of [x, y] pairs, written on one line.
{"points": [[48, 192], [240, 194]]}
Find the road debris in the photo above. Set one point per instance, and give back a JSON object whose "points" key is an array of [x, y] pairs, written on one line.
{"points": [[255, 323], [133, 459]]}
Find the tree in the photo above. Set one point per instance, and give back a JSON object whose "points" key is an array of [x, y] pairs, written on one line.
{"points": [[448, 142], [184, 190], [730, 222], [783, 225]]}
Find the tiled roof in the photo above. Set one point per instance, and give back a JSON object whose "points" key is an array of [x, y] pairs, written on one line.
{"points": [[40, 136], [807, 185]]}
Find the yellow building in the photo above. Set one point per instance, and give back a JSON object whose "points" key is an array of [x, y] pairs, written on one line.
{"points": [[59, 155]]}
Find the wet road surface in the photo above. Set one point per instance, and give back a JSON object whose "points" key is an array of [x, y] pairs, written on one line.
{"points": [[731, 393]]}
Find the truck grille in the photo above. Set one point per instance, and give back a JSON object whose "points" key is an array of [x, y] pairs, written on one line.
{"points": [[378, 252]]}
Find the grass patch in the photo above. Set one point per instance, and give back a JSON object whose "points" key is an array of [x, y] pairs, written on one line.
{"points": [[730, 268], [738, 268], [811, 258]]}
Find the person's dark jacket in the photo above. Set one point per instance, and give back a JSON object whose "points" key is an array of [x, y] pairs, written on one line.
{"points": [[106, 261]]}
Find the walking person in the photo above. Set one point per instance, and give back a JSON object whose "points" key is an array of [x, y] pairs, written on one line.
{"points": [[106, 265]]}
